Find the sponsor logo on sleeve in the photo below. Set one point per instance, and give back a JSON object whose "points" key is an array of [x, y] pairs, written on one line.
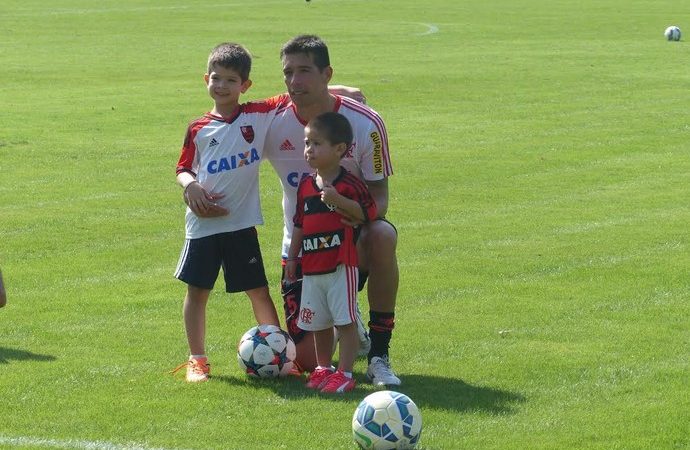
{"points": [[378, 152]]}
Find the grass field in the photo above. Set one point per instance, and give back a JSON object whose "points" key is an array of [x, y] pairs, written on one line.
{"points": [[541, 193]]}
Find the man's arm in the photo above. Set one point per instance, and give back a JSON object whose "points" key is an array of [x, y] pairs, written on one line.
{"points": [[379, 191], [348, 91]]}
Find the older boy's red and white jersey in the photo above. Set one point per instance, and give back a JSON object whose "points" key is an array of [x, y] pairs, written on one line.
{"points": [[224, 155], [368, 158]]}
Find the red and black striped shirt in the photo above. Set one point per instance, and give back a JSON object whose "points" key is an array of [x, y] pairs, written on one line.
{"points": [[327, 242]]}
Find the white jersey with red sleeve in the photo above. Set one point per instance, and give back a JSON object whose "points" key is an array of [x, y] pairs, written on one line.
{"points": [[368, 158], [224, 156]]}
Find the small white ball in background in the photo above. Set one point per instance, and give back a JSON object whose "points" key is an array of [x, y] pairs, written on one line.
{"points": [[672, 33]]}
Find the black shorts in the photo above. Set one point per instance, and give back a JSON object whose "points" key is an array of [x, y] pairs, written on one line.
{"points": [[237, 252]]}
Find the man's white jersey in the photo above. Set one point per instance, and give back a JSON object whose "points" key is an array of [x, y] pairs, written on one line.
{"points": [[224, 155], [368, 158]]}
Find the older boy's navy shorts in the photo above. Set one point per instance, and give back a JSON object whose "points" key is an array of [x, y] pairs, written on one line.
{"points": [[239, 254]]}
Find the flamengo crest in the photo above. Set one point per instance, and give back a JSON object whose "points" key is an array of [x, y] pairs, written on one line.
{"points": [[247, 133]]}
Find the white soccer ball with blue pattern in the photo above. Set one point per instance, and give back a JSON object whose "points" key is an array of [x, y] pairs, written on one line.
{"points": [[387, 420], [672, 33], [266, 351]]}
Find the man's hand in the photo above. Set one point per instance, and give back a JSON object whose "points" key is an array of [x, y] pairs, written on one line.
{"points": [[348, 91], [203, 203]]}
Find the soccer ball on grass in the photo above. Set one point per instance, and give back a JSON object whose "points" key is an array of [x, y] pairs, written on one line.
{"points": [[672, 33], [266, 351], [387, 420]]}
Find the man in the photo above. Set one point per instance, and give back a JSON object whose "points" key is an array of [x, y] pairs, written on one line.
{"points": [[307, 72]]}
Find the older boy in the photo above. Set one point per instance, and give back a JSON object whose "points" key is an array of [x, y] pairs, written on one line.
{"points": [[218, 169]]}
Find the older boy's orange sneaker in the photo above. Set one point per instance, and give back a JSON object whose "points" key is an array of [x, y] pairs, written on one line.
{"points": [[198, 370]]}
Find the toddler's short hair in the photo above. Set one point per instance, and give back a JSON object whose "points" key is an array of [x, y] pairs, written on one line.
{"points": [[335, 127]]}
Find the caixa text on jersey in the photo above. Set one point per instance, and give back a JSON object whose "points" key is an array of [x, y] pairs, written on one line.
{"points": [[233, 161]]}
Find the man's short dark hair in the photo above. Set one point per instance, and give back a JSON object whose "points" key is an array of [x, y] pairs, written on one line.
{"points": [[310, 45]]}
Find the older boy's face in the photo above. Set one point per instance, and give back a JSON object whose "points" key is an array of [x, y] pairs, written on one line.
{"points": [[304, 81], [225, 85]]}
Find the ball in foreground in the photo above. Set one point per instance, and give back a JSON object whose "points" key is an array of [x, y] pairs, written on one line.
{"points": [[266, 351], [672, 33], [387, 420]]}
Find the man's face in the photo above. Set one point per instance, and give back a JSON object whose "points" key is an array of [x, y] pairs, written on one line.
{"points": [[305, 83]]}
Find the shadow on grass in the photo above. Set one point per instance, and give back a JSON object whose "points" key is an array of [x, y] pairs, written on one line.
{"points": [[8, 354], [426, 391]]}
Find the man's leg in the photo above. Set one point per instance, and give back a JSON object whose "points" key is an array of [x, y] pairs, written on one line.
{"points": [[377, 251]]}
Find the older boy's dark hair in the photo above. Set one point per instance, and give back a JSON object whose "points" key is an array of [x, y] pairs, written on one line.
{"points": [[310, 45], [231, 56], [335, 128]]}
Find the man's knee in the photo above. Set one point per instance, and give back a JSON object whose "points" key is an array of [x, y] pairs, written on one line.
{"points": [[379, 237]]}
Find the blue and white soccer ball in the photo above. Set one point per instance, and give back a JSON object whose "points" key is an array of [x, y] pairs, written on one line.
{"points": [[672, 33], [387, 420], [266, 351]]}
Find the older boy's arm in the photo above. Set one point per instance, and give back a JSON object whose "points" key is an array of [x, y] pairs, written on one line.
{"points": [[202, 203]]}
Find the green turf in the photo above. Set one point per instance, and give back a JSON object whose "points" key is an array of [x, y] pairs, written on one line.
{"points": [[541, 194]]}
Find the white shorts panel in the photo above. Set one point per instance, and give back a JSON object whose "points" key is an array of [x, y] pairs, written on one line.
{"points": [[329, 299]]}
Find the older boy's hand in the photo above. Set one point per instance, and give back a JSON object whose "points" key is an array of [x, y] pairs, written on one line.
{"points": [[203, 203]]}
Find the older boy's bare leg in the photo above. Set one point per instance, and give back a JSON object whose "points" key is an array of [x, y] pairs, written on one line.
{"points": [[262, 304], [194, 313]]}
